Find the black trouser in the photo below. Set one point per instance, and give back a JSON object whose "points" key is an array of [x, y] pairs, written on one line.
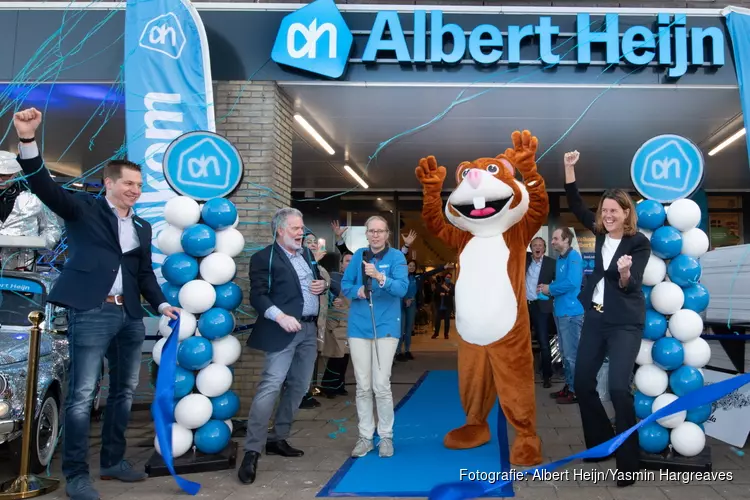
{"points": [[334, 378], [445, 316], [621, 344], [540, 324]]}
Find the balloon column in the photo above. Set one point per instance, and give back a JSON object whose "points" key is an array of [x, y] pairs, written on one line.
{"points": [[672, 352], [200, 244]]}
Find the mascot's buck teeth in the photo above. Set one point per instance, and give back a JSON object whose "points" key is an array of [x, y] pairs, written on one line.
{"points": [[491, 236]]}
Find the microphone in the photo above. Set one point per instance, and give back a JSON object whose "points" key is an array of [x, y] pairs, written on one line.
{"points": [[367, 281]]}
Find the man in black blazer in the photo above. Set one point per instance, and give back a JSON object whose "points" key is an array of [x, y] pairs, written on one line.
{"points": [[284, 290], [540, 270], [107, 270]]}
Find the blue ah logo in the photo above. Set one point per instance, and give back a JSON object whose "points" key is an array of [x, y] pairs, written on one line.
{"points": [[314, 38], [666, 168]]}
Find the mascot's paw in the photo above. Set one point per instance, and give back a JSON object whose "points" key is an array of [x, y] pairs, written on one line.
{"points": [[429, 173], [523, 153], [526, 451], [468, 436]]}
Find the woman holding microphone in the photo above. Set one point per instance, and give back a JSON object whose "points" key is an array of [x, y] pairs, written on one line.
{"points": [[615, 311], [376, 273]]}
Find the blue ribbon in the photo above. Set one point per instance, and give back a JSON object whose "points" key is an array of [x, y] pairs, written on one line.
{"points": [[704, 395], [163, 407]]}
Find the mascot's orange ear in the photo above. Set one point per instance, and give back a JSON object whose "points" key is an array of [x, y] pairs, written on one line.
{"points": [[506, 163], [463, 166]]}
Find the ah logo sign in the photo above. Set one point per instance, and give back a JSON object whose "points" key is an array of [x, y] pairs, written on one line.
{"points": [[315, 38], [667, 168], [164, 34], [202, 165]]}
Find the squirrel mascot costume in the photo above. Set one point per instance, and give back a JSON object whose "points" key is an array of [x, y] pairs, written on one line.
{"points": [[493, 217]]}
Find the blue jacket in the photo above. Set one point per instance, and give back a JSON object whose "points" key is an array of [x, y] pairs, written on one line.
{"points": [[386, 300], [411, 290], [567, 284]]}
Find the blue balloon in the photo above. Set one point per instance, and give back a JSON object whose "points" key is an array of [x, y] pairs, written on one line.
{"points": [[684, 270], [667, 353], [228, 296], [653, 438], [216, 323], [195, 353], [647, 295], [666, 242], [643, 405], [171, 293], [655, 326], [684, 380], [198, 240], [225, 406], [696, 298], [219, 213], [212, 437], [700, 414], [184, 381], [179, 268], [651, 214]]}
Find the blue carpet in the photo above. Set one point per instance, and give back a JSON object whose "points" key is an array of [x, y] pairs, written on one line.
{"points": [[421, 462]]}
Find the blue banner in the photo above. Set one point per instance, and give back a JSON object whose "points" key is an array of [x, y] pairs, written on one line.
{"points": [[168, 92], [738, 23]]}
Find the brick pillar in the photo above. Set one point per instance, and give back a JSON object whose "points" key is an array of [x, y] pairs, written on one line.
{"points": [[257, 118]]}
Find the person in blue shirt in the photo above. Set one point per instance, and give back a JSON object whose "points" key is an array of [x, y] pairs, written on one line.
{"points": [[372, 352], [568, 310]]}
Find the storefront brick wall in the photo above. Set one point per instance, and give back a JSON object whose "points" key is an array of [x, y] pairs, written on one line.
{"points": [[257, 118]]}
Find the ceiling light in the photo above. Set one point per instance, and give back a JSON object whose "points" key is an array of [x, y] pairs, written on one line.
{"points": [[727, 142], [310, 130], [356, 177], [78, 184]]}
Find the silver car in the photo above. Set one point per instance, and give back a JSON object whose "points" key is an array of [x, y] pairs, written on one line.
{"points": [[20, 294]]}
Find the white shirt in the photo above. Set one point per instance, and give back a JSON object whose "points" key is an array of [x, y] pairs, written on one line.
{"points": [[128, 241], [608, 251]]}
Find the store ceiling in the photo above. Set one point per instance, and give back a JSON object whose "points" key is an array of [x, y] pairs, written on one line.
{"points": [[606, 125]]}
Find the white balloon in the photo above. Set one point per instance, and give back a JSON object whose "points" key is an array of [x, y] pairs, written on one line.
{"points": [[697, 353], [237, 221], [193, 411], [688, 439], [673, 420], [227, 350], [188, 324], [169, 240], [651, 380], [655, 271], [218, 268], [644, 354], [686, 325], [214, 380], [182, 441], [694, 243], [230, 425], [156, 351], [668, 334], [197, 296], [667, 298], [230, 241], [182, 212], [684, 214]]}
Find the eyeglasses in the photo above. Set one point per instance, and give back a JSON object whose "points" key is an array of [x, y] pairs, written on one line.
{"points": [[376, 232]]}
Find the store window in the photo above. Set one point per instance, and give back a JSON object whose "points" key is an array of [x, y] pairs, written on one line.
{"points": [[725, 229]]}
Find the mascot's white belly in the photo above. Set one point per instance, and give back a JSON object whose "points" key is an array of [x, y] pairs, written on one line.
{"points": [[486, 306]]}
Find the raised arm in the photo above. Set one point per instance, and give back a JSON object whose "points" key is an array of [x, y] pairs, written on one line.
{"points": [[432, 177], [64, 203], [575, 202]]}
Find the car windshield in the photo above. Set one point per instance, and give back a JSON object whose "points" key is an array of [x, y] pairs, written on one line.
{"points": [[17, 299]]}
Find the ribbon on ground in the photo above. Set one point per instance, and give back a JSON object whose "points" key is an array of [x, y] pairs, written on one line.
{"points": [[705, 395], [162, 408]]}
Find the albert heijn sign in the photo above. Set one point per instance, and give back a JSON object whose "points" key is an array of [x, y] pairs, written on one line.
{"points": [[316, 39]]}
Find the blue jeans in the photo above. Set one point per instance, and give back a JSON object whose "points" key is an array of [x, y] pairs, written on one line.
{"points": [[293, 364], [108, 331], [408, 315], [569, 333]]}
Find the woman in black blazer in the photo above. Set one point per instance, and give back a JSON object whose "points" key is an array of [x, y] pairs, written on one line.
{"points": [[615, 315]]}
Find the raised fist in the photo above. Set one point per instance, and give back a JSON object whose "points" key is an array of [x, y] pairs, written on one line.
{"points": [[571, 159], [428, 172], [624, 263], [26, 122], [523, 153]]}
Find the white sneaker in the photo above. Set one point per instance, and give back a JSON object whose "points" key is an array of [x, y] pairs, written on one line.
{"points": [[362, 448], [385, 447]]}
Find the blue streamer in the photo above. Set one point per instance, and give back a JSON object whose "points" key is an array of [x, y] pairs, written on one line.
{"points": [[705, 395], [162, 407]]}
